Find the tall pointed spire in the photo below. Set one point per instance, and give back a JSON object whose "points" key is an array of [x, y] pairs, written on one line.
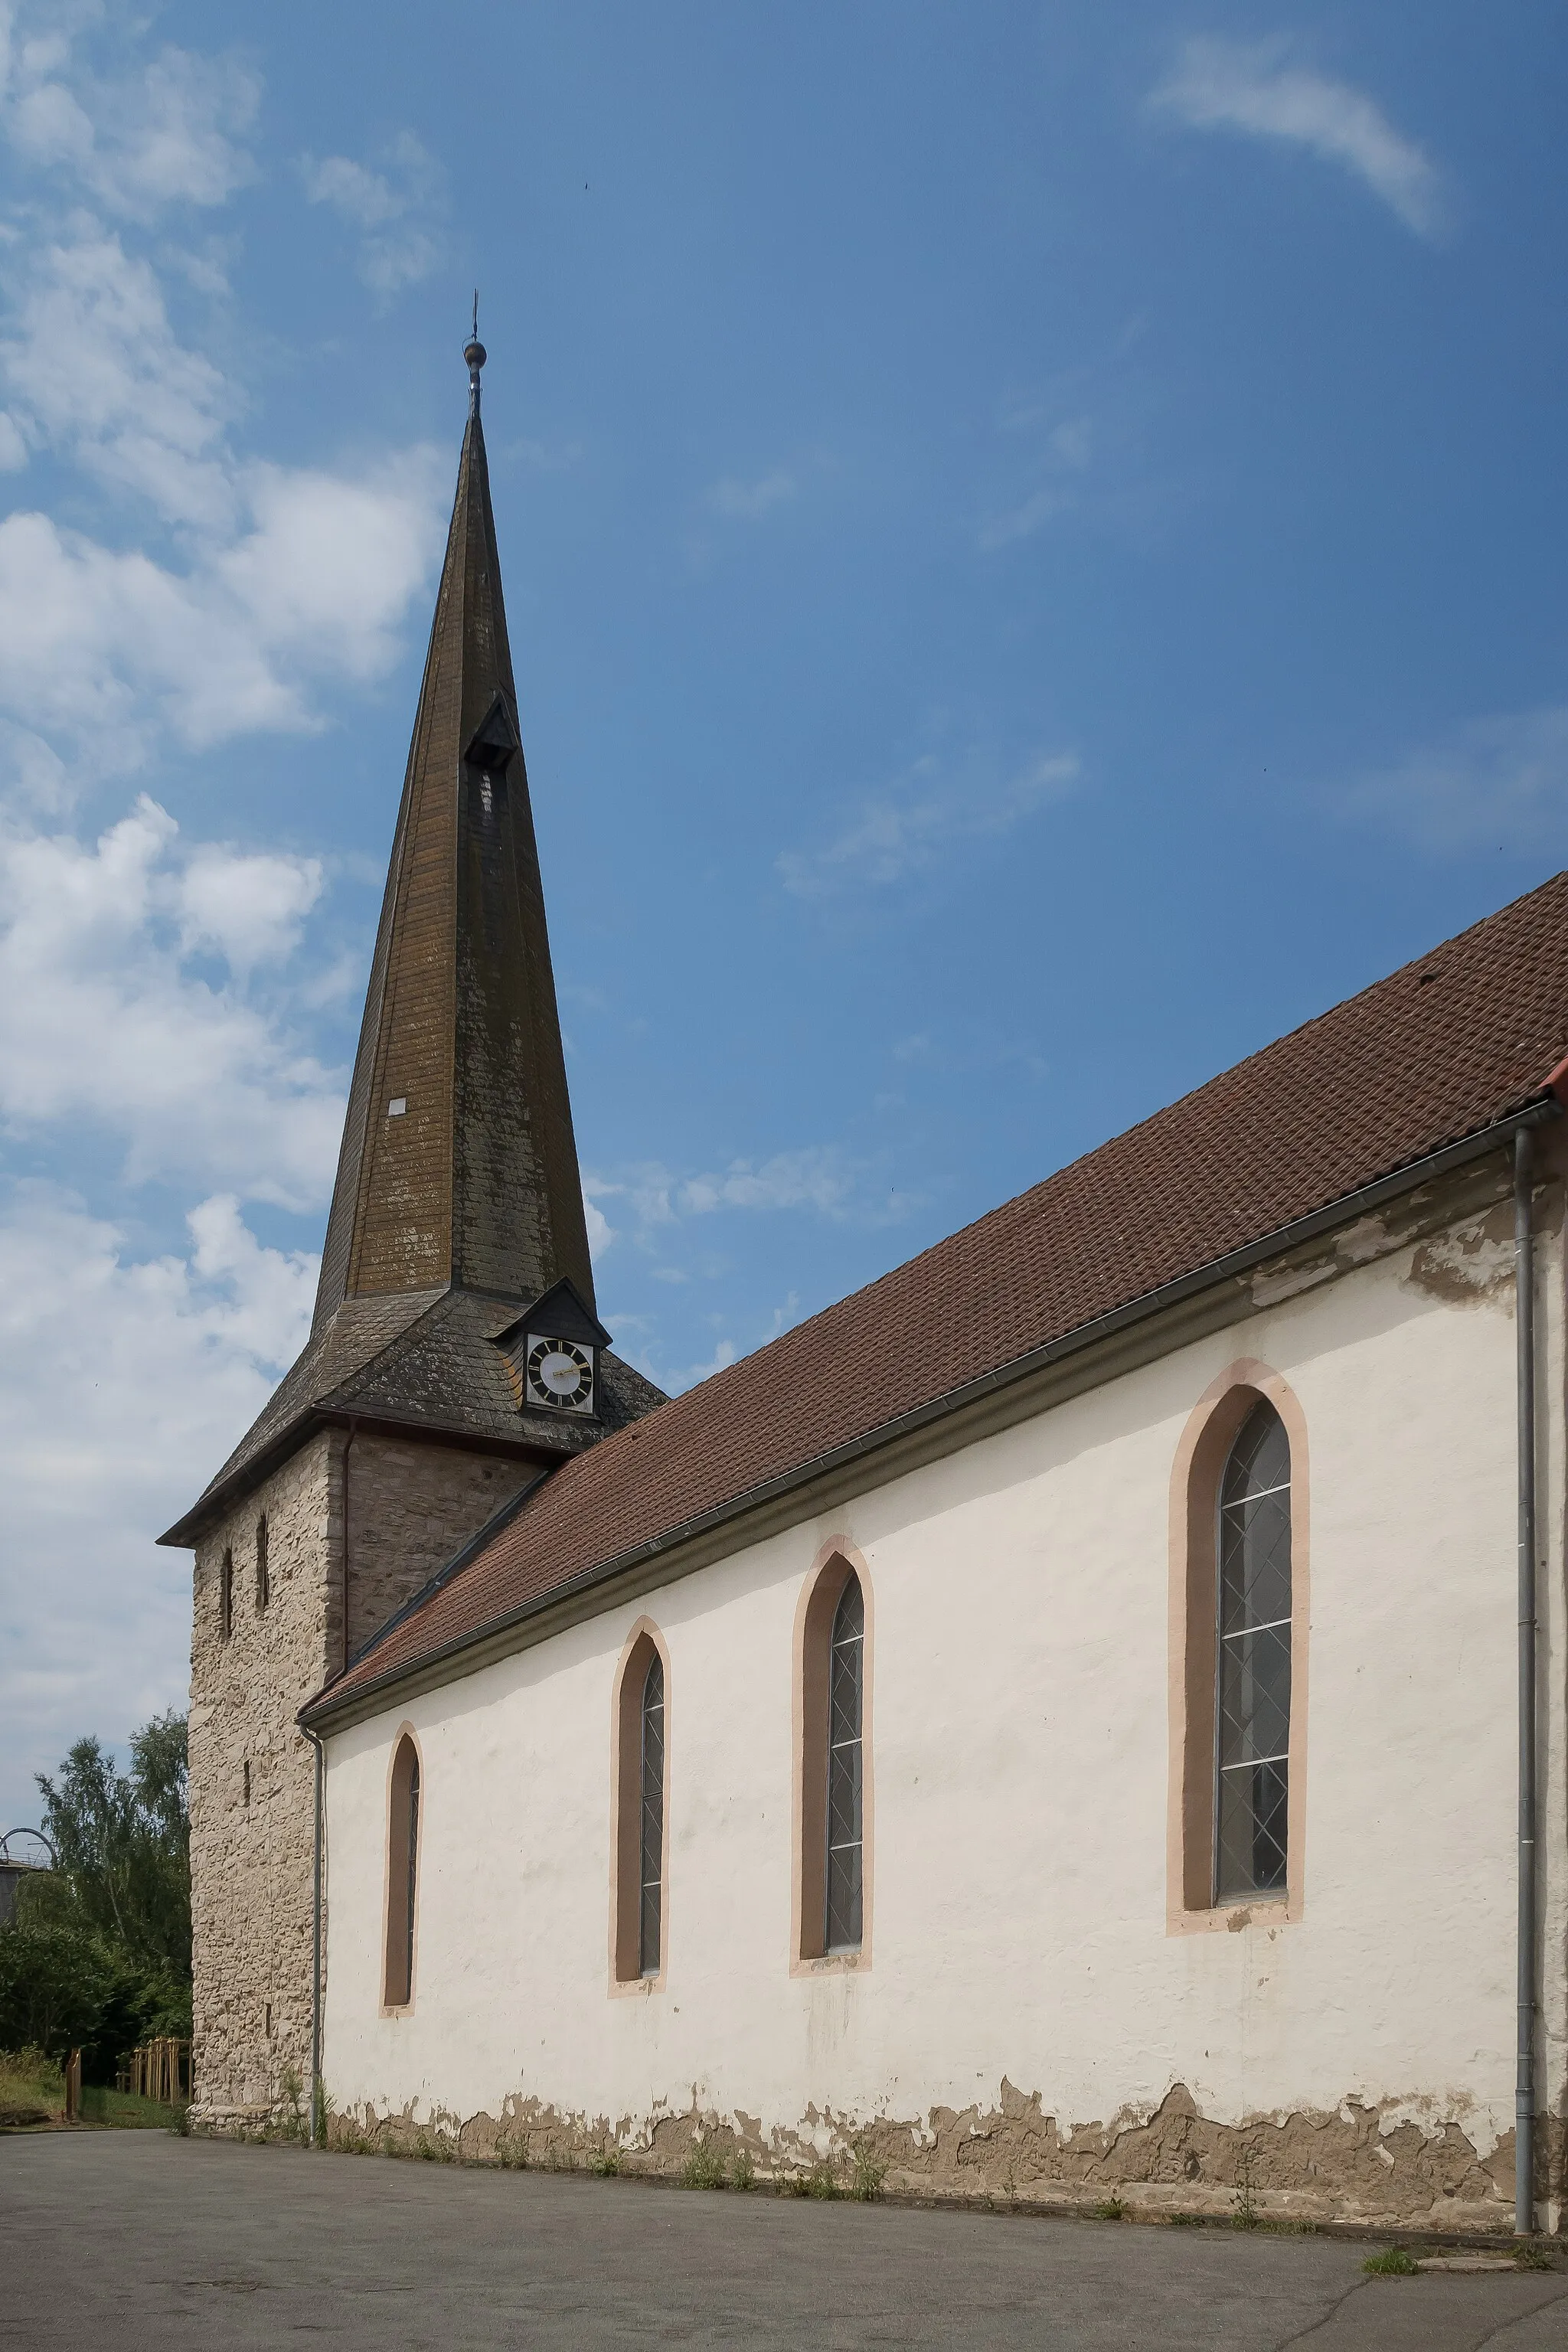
{"points": [[459, 1165], [458, 1201]]}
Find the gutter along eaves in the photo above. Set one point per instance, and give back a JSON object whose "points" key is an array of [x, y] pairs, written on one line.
{"points": [[366, 1698]]}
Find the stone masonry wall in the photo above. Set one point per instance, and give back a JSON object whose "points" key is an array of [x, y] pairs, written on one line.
{"points": [[410, 1507], [405, 1507], [251, 1861]]}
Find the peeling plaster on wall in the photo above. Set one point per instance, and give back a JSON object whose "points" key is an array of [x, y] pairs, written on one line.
{"points": [[1473, 1199], [1471, 1264], [1360, 2164]]}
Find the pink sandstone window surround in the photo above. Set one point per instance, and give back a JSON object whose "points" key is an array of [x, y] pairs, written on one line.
{"points": [[1238, 1616]]}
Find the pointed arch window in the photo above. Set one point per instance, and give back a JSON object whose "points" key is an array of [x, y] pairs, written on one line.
{"points": [[831, 1906], [640, 1921], [651, 1911], [1252, 1678], [402, 1875], [845, 1886]]}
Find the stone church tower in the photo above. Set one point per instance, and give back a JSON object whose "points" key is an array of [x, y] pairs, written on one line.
{"points": [[410, 1421]]}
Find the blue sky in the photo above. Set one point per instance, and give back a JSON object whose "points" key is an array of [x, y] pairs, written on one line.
{"points": [[1032, 539]]}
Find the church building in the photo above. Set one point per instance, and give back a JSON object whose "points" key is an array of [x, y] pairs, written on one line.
{"points": [[1083, 1717]]}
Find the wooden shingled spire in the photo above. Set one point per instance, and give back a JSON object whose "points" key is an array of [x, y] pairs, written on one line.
{"points": [[457, 1200], [458, 1166]]}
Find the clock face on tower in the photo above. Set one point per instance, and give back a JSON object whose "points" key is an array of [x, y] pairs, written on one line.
{"points": [[560, 1373]]}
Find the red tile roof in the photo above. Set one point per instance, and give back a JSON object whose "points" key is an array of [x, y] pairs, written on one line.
{"points": [[1438, 1051]]}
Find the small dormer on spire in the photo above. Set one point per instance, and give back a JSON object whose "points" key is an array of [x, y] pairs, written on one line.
{"points": [[476, 354]]}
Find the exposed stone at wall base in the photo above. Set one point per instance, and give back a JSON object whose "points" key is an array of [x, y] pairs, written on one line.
{"points": [[1333, 2167]]}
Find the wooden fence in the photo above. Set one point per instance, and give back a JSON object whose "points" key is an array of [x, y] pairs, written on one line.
{"points": [[159, 2070]]}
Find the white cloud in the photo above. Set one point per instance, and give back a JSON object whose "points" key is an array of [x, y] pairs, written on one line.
{"points": [[687, 1376], [1066, 447], [249, 908], [395, 208], [116, 646], [123, 1381], [1251, 88], [96, 371], [1500, 782], [751, 501], [167, 135], [818, 1179], [102, 1025], [285, 576], [899, 830], [657, 1203]]}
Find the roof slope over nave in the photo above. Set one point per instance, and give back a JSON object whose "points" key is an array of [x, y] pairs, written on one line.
{"points": [[1440, 1051]]}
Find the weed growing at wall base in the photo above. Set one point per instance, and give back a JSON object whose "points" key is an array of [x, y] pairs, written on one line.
{"points": [[704, 2168], [1393, 2261]]}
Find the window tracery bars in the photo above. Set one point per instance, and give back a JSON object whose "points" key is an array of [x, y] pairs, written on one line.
{"points": [[263, 1577], [403, 1874], [651, 1849], [1252, 1729], [225, 1594], [842, 1930]]}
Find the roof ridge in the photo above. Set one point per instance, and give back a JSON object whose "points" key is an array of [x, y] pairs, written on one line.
{"points": [[1122, 1135]]}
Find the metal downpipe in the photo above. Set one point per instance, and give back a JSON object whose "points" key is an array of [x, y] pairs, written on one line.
{"points": [[317, 2119], [1524, 1301]]}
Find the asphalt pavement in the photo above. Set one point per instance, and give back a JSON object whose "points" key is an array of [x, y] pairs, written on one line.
{"points": [[139, 2240]]}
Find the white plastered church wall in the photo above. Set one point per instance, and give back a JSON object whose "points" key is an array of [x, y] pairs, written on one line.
{"points": [[1020, 1686]]}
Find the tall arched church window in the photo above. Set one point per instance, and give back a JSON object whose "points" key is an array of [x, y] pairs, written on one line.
{"points": [[650, 1859], [402, 1875], [831, 1907], [639, 1904], [1253, 1664], [846, 1786]]}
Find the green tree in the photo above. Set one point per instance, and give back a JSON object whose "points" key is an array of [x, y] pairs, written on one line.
{"points": [[56, 1982], [122, 1844], [98, 1954]]}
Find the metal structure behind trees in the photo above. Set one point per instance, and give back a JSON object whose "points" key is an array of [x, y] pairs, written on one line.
{"points": [[16, 1866]]}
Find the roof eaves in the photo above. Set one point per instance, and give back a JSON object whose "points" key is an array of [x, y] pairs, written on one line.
{"points": [[1533, 1110]]}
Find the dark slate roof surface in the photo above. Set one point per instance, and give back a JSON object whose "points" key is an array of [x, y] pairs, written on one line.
{"points": [[1439, 1051]]}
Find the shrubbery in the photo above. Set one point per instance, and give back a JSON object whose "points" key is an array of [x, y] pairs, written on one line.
{"points": [[97, 1956]]}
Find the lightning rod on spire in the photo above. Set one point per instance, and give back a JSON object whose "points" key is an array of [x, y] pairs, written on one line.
{"points": [[474, 353]]}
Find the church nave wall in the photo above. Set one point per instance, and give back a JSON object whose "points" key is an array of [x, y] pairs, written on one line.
{"points": [[1026, 2010]]}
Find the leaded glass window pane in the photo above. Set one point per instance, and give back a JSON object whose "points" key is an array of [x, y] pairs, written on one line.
{"points": [[1253, 1693], [413, 1855], [651, 1867], [845, 1692]]}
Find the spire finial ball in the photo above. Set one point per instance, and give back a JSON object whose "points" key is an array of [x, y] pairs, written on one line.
{"points": [[475, 355]]}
